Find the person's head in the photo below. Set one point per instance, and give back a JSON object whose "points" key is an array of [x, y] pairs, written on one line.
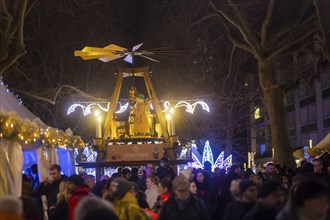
{"points": [[90, 181], [150, 169], [193, 187], [235, 169], [248, 191], [135, 171], [126, 173], [92, 207], [54, 172], [163, 162], [270, 169], [256, 179], [11, 207], [312, 195], [234, 189], [181, 187], [118, 188], [272, 194], [200, 177], [74, 182], [134, 190], [64, 192], [217, 170], [318, 165], [207, 166], [151, 181], [164, 186], [30, 208]]}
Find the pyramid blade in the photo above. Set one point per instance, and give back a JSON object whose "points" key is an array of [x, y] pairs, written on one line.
{"points": [[109, 58], [136, 47], [115, 47], [129, 59], [149, 58]]}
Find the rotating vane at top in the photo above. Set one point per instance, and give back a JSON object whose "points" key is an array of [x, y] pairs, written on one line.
{"points": [[112, 52]]}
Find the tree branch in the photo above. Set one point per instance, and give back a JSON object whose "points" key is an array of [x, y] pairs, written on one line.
{"points": [[265, 23], [291, 43], [204, 18]]}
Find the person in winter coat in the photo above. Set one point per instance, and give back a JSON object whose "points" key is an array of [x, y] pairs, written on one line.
{"points": [[236, 210], [125, 205], [272, 196], [78, 190], [140, 196], [152, 190], [61, 211], [206, 191], [182, 205], [93, 207], [309, 201], [50, 187], [165, 170]]}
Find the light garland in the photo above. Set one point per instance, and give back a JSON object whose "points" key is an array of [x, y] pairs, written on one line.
{"points": [[14, 128], [190, 108], [87, 110]]}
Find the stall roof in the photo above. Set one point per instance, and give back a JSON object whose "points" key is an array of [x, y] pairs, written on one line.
{"points": [[10, 103]]}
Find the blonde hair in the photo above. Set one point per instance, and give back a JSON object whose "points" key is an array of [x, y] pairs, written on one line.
{"points": [[153, 179], [63, 192]]}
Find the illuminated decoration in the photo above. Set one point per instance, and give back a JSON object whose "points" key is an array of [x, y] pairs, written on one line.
{"points": [[87, 110], [220, 162], [14, 128], [257, 113], [207, 153], [190, 108]]}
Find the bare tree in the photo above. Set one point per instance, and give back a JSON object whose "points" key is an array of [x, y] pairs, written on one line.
{"points": [[12, 47], [323, 14], [279, 28]]}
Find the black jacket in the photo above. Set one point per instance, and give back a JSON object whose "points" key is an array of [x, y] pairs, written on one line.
{"points": [[237, 210], [195, 209], [261, 212]]}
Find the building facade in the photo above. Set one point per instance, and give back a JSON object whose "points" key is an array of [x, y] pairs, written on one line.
{"points": [[307, 97]]}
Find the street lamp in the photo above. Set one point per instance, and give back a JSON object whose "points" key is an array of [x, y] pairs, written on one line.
{"points": [[170, 124]]}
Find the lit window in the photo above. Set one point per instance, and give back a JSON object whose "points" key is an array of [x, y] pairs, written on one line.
{"points": [[257, 113]]}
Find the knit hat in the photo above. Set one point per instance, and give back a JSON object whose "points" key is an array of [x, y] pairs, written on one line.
{"points": [[164, 160], [123, 186], [269, 187], [125, 171], [76, 179], [245, 184]]}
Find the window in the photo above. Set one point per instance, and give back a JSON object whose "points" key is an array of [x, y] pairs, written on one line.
{"points": [[326, 107], [308, 114], [291, 120], [262, 149], [305, 90], [325, 80], [257, 113]]}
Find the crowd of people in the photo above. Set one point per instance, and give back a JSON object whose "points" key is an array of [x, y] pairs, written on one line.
{"points": [[276, 193]]}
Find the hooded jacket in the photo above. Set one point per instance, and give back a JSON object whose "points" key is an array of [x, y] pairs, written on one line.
{"points": [[76, 196], [127, 208]]}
